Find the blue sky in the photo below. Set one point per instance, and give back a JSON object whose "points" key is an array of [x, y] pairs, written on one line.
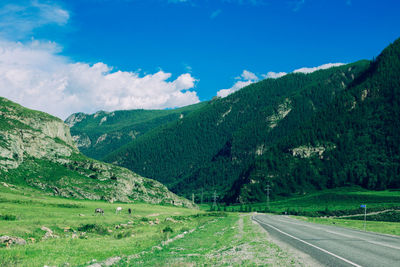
{"points": [[191, 49]]}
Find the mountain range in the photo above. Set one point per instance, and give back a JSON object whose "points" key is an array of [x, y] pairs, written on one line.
{"points": [[298, 133], [295, 134]]}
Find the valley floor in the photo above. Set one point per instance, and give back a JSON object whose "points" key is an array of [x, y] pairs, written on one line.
{"points": [[65, 232]]}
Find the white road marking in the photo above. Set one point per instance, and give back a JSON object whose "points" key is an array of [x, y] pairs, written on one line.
{"points": [[314, 246], [381, 244], [349, 236], [345, 235]]}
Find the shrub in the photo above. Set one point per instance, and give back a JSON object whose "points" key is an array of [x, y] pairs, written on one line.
{"points": [[123, 234], [167, 229], [8, 217], [93, 228], [185, 229], [144, 219]]}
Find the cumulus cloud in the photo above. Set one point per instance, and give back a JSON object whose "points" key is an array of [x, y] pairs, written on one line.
{"points": [[247, 77], [273, 75], [238, 85], [19, 20], [322, 67], [34, 75]]}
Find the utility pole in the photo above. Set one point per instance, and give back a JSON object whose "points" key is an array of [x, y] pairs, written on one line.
{"points": [[215, 199], [268, 189], [193, 198], [201, 199], [365, 215]]}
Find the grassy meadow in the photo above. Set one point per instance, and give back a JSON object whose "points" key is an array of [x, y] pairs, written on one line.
{"points": [[332, 202], [81, 235], [233, 240], [340, 206], [153, 235]]}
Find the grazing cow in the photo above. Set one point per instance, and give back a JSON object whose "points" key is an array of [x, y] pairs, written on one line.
{"points": [[117, 210], [129, 211], [98, 210]]}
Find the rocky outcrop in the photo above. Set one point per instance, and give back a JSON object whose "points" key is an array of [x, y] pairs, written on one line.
{"points": [[75, 118], [25, 133], [310, 151], [10, 240], [27, 136], [281, 112], [82, 140]]}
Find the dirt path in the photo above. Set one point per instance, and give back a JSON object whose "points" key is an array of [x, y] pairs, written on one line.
{"points": [[362, 214]]}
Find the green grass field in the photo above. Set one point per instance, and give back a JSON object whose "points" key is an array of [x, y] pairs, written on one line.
{"points": [[322, 207], [334, 202], [153, 235], [233, 240], [24, 211]]}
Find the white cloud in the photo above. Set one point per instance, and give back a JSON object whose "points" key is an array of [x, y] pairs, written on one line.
{"points": [[34, 75], [247, 75], [238, 85], [246, 78], [322, 67], [19, 20], [273, 75]]}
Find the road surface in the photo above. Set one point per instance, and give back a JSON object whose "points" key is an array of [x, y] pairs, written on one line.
{"points": [[332, 245]]}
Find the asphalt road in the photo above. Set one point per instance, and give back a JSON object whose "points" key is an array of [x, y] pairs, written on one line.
{"points": [[332, 245]]}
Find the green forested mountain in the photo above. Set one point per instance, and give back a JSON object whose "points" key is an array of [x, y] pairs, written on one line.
{"points": [[214, 146], [98, 134], [355, 140]]}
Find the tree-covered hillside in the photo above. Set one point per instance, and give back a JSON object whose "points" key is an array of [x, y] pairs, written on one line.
{"points": [[210, 148], [98, 134], [355, 140]]}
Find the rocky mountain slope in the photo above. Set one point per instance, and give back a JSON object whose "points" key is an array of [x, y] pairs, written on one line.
{"points": [[37, 150], [96, 135]]}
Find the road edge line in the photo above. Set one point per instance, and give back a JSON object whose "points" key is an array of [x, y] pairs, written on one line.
{"points": [[305, 242]]}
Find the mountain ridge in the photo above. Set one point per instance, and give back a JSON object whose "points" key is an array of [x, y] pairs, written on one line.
{"points": [[212, 146], [99, 133]]}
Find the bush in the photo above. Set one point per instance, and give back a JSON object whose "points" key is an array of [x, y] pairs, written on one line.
{"points": [[185, 229], [8, 217], [124, 234], [93, 228], [167, 229]]}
